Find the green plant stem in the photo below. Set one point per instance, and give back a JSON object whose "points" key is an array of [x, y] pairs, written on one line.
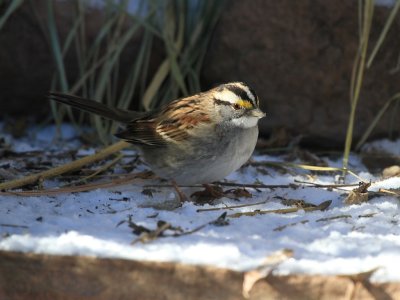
{"points": [[384, 32], [357, 79], [14, 5], [375, 121]]}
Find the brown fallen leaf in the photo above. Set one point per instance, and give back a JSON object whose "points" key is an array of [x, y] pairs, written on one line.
{"points": [[209, 194], [296, 202], [238, 193], [359, 194], [270, 262]]}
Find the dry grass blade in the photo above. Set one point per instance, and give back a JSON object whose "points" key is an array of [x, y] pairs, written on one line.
{"points": [[97, 172], [184, 30], [327, 185], [256, 185], [390, 192], [74, 165], [80, 188], [298, 166], [322, 206], [231, 207]]}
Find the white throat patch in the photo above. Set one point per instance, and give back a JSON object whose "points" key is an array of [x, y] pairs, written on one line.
{"points": [[245, 121]]}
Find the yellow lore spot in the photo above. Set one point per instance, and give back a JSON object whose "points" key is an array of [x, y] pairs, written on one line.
{"points": [[245, 103]]}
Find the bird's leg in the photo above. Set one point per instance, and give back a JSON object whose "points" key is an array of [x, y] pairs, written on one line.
{"points": [[181, 195]]}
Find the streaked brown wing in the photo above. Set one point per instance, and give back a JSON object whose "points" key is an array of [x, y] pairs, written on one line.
{"points": [[172, 124], [142, 132]]}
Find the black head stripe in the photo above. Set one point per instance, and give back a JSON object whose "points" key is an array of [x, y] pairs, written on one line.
{"points": [[222, 102], [242, 93], [254, 94]]}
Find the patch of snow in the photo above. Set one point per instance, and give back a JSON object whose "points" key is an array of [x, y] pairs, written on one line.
{"points": [[340, 240]]}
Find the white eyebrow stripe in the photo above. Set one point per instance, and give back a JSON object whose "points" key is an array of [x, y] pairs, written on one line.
{"points": [[227, 95]]}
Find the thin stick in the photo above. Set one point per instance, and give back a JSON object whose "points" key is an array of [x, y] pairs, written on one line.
{"points": [[326, 185], [245, 185], [76, 189], [394, 193], [97, 172], [293, 165], [72, 166], [324, 205], [257, 185], [230, 207]]}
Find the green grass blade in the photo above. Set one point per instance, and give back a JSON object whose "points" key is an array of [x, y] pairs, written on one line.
{"points": [[12, 7], [375, 121], [55, 46], [384, 32], [358, 77]]}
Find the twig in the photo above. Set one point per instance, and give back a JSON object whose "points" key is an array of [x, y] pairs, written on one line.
{"points": [[280, 228], [230, 207], [80, 188], [293, 165], [233, 184], [257, 185], [334, 218], [324, 205], [14, 226], [71, 166], [147, 235], [393, 193], [326, 185], [98, 171]]}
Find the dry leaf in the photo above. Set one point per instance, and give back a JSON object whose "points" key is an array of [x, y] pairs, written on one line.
{"points": [[238, 193], [270, 262], [209, 194], [296, 202], [358, 195]]}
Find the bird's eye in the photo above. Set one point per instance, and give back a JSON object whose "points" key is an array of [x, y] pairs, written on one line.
{"points": [[237, 106]]}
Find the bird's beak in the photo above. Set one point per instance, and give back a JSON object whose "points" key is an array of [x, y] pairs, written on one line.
{"points": [[258, 113]]}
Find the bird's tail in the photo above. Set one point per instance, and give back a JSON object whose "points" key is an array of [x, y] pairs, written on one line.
{"points": [[98, 108]]}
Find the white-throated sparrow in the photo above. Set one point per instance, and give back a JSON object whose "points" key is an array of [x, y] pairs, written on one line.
{"points": [[197, 139]]}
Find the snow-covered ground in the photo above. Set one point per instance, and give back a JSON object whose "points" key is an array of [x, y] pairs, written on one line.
{"points": [[343, 239]]}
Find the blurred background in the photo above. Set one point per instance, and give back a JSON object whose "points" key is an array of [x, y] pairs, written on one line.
{"points": [[326, 71]]}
